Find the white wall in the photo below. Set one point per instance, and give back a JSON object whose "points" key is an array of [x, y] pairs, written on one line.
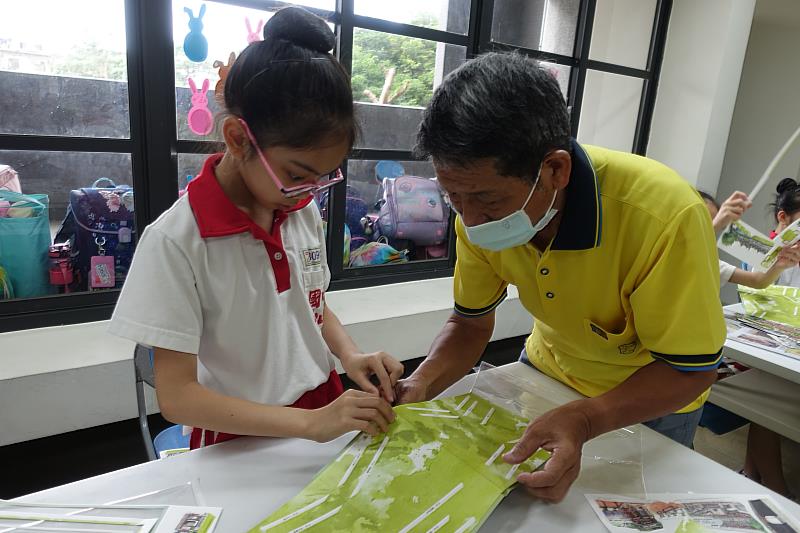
{"points": [[700, 74], [767, 109], [60, 379]]}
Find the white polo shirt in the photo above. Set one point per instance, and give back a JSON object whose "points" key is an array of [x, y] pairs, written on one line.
{"points": [[207, 280]]}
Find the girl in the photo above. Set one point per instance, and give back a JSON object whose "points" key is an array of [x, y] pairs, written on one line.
{"points": [[763, 461], [228, 284], [786, 209], [731, 210]]}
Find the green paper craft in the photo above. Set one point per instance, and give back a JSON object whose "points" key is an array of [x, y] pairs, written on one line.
{"points": [[438, 465], [777, 303]]}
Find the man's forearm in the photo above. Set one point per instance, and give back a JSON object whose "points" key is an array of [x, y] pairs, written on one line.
{"points": [[651, 392], [456, 349]]}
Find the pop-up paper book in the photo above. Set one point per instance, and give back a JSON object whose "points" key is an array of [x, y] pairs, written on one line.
{"points": [[747, 244], [439, 466]]}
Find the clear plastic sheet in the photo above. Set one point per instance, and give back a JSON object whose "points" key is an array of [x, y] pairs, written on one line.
{"points": [[610, 463], [149, 505]]}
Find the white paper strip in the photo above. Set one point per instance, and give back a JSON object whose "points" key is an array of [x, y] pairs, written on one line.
{"points": [[466, 526], [495, 455], [777, 159], [440, 524], [429, 511], [317, 520], [366, 472], [294, 514]]}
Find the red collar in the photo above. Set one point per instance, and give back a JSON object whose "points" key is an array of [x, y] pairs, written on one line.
{"points": [[773, 234], [216, 215]]}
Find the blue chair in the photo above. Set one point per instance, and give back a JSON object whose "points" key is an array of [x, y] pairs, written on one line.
{"points": [[172, 437]]}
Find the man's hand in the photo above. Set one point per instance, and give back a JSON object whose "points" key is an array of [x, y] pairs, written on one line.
{"points": [[360, 367], [410, 390], [563, 432]]}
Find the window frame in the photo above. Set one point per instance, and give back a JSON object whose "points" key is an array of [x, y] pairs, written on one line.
{"points": [[154, 146]]}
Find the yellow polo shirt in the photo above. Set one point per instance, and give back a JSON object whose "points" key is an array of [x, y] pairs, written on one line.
{"points": [[631, 276]]}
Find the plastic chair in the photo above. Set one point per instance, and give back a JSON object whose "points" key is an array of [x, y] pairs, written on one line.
{"points": [[168, 439]]}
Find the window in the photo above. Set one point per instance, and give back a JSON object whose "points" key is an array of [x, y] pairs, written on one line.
{"points": [[68, 223], [111, 98]]}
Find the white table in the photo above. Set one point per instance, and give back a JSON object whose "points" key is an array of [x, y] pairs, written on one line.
{"points": [[766, 360], [252, 477]]}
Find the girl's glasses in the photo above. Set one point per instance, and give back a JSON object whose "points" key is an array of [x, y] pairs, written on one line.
{"points": [[324, 182]]}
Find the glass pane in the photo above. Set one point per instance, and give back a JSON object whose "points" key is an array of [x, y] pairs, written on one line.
{"points": [[394, 220], [561, 73], [609, 110], [621, 32], [189, 166], [100, 227], [546, 25], [393, 79], [63, 72], [445, 15], [224, 31]]}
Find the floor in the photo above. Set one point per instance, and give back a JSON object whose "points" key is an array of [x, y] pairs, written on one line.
{"points": [[729, 450], [52, 461]]}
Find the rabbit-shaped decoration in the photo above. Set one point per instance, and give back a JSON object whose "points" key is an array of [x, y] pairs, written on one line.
{"points": [[254, 36], [201, 121], [195, 45], [219, 88]]}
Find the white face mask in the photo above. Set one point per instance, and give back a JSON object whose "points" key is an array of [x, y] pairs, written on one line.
{"points": [[514, 230]]}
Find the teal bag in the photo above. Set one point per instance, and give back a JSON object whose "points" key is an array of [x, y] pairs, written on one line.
{"points": [[24, 243]]}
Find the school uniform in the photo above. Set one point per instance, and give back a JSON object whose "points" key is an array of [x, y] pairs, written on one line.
{"points": [[207, 280]]}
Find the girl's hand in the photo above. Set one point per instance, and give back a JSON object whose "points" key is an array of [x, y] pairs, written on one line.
{"points": [[360, 367], [788, 257], [352, 411], [732, 209]]}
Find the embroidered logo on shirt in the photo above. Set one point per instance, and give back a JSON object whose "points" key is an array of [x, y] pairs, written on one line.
{"points": [[312, 257], [627, 349]]}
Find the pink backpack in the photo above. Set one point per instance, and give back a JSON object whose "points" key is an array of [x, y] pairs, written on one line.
{"points": [[413, 209], [9, 179]]}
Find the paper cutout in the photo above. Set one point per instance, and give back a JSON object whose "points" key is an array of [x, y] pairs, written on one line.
{"points": [[195, 45], [219, 88], [201, 122], [254, 36], [425, 473]]}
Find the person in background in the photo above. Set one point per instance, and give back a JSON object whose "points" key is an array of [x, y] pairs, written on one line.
{"points": [[730, 211], [786, 210], [763, 458]]}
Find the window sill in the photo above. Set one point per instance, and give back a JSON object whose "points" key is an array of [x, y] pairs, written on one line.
{"points": [[73, 377]]}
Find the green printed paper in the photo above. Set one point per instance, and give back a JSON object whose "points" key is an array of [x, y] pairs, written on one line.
{"points": [[439, 466], [777, 303]]}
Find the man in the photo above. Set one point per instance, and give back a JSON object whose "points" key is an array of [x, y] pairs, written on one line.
{"points": [[612, 253]]}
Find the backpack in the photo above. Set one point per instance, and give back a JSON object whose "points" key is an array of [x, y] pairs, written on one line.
{"points": [[355, 210], [99, 224], [9, 179], [413, 209]]}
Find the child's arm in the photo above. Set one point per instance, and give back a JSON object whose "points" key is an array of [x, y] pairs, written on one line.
{"points": [[360, 366], [185, 401], [789, 257]]}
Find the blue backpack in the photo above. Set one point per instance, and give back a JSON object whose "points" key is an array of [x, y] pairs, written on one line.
{"points": [[355, 209]]}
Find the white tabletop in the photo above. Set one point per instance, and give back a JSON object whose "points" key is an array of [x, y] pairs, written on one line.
{"points": [[780, 365], [251, 477]]}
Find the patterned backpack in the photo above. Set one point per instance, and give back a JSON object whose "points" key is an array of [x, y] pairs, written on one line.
{"points": [[413, 209], [99, 225]]}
